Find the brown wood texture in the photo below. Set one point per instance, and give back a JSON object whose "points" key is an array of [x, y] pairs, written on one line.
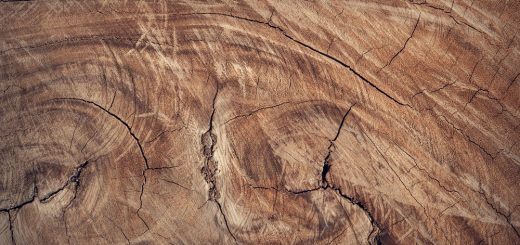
{"points": [[260, 122]]}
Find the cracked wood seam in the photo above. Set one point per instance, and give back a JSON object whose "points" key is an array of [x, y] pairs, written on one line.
{"points": [[260, 122]]}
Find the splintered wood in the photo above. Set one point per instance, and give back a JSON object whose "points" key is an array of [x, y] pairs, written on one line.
{"points": [[260, 122]]}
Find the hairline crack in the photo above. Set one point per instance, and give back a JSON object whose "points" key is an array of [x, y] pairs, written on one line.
{"points": [[270, 24]]}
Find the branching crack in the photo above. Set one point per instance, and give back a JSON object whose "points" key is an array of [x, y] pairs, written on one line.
{"points": [[449, 13], [137, 141], [141, 149], [376, 226]]}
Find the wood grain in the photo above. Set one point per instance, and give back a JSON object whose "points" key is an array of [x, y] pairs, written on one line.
{"points": [[259, 122]]}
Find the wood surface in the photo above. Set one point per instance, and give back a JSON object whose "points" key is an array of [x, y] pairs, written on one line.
{"points": [[260, 122]]}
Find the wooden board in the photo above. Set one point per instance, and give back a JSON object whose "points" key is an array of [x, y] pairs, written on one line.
{"points": [[259, 122]]}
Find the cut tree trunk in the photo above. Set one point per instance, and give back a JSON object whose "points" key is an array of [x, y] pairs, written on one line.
{"points": [[259, 122]]}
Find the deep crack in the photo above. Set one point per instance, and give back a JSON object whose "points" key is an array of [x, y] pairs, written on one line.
{"points": [[225, 221], [326, 161], [210, 167], [20, 205], [74, 178], [77, 180], [376, 227], [11, 228]]}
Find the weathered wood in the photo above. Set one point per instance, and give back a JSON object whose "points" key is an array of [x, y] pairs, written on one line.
{"points": [[280, 122]]}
